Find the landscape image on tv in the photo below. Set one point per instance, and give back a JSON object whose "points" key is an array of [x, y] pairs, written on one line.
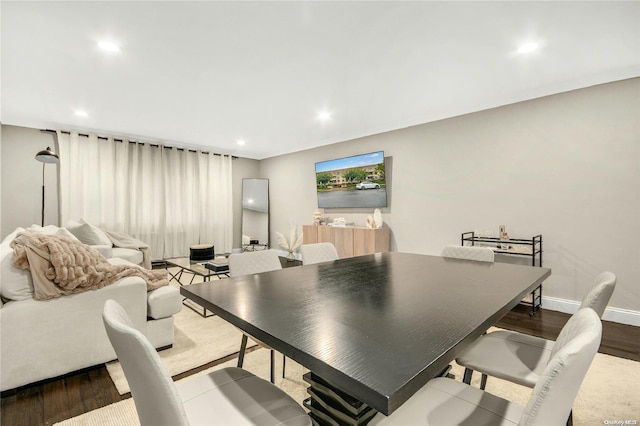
{"points": [[357, 181]]}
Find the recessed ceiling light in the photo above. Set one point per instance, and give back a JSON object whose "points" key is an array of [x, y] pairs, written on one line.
{"points": [[240, 142], [81, 113], [528, 47], [108, 46], [324, 116]]}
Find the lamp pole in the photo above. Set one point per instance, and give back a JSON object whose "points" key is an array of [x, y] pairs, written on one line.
{"points": [[46, 156], [42, 221]]}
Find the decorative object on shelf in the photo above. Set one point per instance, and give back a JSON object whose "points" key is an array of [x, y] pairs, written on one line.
{"points": [[200, 252], [317, 216], [340, 221], [504, 236], [294, 242], [371, 223], [377, 218], [46, 156]]}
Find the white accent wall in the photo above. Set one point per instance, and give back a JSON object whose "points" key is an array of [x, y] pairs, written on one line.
{"points": [[565, 166]]}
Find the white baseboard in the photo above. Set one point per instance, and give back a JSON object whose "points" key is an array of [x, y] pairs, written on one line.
{"points": [[623, 316]]}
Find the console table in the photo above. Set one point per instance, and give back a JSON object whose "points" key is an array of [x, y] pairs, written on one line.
{"points": [[350, 241], [531, 247]]}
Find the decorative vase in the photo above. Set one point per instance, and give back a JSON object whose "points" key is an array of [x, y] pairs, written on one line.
{"points": [[291, 257], [317, 215], [377, 218]]}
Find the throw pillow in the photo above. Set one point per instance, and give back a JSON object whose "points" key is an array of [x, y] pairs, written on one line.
{"points": [[87, 233]]}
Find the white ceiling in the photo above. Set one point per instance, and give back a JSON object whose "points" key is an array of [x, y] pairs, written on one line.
{"points": [[205, 74]]}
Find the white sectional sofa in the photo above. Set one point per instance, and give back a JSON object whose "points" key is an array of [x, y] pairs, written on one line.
{"points": [[46, 339]]}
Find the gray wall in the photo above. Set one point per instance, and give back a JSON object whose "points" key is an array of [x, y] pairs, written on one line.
{"points": [[566, 166], [21, 197]]}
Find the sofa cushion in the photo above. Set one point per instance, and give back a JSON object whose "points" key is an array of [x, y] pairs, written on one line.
{"points": [[105, 250], [16, 283], [131, 255], [119, 261], [163, 302], [87, 233]]}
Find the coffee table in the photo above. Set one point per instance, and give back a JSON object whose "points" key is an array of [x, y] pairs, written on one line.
{"points": [[195, 268]]}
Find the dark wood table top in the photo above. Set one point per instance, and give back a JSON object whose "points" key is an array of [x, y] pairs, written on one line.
{"points": [[377, 326]]}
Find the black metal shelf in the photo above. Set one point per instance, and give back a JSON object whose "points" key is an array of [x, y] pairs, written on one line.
{"points": [[529, 247]]}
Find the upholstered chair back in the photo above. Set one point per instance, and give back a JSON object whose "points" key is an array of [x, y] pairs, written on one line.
{"points": [[599, 295], [557, 387], [253, 262], [154, 393], [317, 253], [481, 254]]}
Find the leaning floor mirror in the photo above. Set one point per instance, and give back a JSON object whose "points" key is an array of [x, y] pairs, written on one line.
{"points": [[255, 214]]}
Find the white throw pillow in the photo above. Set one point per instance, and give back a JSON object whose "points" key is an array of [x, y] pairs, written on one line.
{"points": [[87, 233], [16, 283]]}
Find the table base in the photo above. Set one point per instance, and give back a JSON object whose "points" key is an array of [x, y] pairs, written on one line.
{"points": [[331, 406]]}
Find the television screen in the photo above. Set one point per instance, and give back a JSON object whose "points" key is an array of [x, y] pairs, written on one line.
{"points": [[357, 181]]}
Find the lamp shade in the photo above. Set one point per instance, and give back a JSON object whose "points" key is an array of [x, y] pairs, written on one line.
{"points": [[47, 156]]}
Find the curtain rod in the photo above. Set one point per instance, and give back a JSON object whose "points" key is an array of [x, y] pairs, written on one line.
{"points": [[233, 157]]}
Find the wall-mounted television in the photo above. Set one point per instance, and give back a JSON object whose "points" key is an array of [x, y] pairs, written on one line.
{"points": [[351, 182]]}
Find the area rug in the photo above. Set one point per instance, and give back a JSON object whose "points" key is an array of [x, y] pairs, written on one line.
{"points": [[608, 394]]}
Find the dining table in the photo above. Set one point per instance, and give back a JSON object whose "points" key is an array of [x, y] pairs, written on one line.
{"points": [[373, 329]]}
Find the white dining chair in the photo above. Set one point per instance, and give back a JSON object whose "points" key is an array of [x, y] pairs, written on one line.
{"points": [[521, 358], [318, 253], [444, 401], [229, 396], [253, 262], [481, 254], [248, 263]]}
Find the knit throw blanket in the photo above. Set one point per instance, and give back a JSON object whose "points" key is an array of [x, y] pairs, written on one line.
{"points": [[61, 266]]}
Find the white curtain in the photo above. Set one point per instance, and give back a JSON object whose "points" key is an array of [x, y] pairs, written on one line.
{"points": [[166, 197]]}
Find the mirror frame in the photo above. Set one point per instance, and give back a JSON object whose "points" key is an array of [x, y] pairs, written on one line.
{"points": [[268, 212]]}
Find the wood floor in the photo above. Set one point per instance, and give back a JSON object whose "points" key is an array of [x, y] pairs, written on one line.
{"points": [[76, 393]]}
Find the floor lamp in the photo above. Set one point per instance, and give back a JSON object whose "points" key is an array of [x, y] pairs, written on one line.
{"points": [[46, 156]]}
